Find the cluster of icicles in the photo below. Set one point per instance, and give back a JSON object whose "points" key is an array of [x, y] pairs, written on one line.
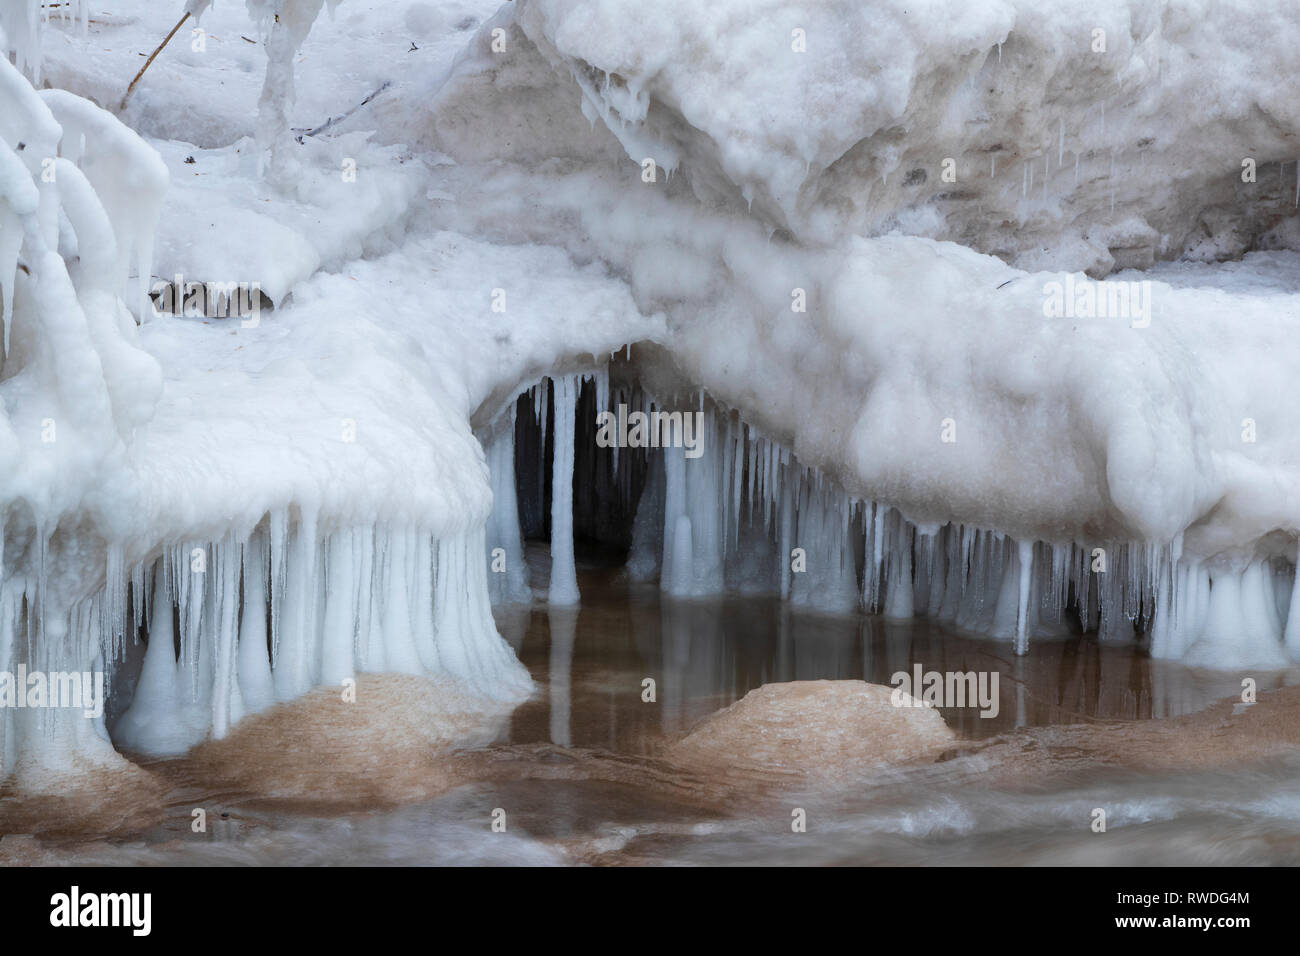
{"points": [[746, 516], [21, 21], [237, 625]]}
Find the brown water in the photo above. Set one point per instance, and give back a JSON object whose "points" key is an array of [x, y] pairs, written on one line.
{"points": [[703, 655], [580, 775]]}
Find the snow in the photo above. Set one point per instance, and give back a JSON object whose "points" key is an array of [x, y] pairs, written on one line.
{"points": [[925, 430]]}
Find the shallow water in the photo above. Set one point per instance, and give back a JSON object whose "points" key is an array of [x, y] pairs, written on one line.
{"points": [[577, 773]]}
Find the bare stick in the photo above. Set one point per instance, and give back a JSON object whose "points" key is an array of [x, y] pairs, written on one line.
{"points": [[340, 118], [165, 41]]}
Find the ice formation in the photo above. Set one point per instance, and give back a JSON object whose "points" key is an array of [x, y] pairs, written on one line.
{"points": [[119, 521], [1011, 462], [829, 230]]}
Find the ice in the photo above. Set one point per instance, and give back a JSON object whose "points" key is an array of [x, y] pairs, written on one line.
{"points": [[20, 34], [510, 583], [564, 581], [345, 469], [284, 25], [426, 614]]}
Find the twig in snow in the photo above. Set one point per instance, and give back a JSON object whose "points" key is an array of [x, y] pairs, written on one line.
{"points": [[167, 39], [339, 119]]}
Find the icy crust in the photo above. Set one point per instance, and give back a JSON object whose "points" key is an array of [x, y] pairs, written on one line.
{"points": [[224, 224], [20, 29], [75, 383], [1061, 153], [244, 491], [74, 388], [376, 440], [924, 376], [1063, 427]]}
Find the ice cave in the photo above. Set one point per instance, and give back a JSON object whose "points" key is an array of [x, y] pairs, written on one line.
{"points": [[354, 345]]}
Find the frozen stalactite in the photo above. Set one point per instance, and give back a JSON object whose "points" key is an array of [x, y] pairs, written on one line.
{"points": [[564, 576], [508, 577], [1292, 629], [227, 704], [762, 501], [644, 562], [20, 34], [675, 578], [256, 685], [339, 629], [826, 577], [1228, 617], [295, 646], [732, 519], [898, 592], [356, 600]]}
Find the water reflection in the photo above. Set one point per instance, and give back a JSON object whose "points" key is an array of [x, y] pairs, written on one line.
{"points": [[563, 627], [704, 655]]}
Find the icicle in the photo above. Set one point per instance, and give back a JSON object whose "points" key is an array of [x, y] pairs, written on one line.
{"points": [[1026, 565], [400, 652], [737, 477], [338, 638], [877, 555], [511, 584], [296, 659], [674, 578], [279, 546], [752, 462], [255, 682], [1292, 632], [564, 580], [898, 592], [227, 708], [786, 539]]}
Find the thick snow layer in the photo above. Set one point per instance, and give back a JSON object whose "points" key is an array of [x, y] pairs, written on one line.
{"points": [[1038, 132], [225, 224]]}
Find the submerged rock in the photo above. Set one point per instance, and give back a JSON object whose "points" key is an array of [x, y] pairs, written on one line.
{"points": [[104, 797], [822, 728], [390, 745]]}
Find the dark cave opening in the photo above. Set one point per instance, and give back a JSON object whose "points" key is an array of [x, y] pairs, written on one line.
{"points": [[605, 492]]}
